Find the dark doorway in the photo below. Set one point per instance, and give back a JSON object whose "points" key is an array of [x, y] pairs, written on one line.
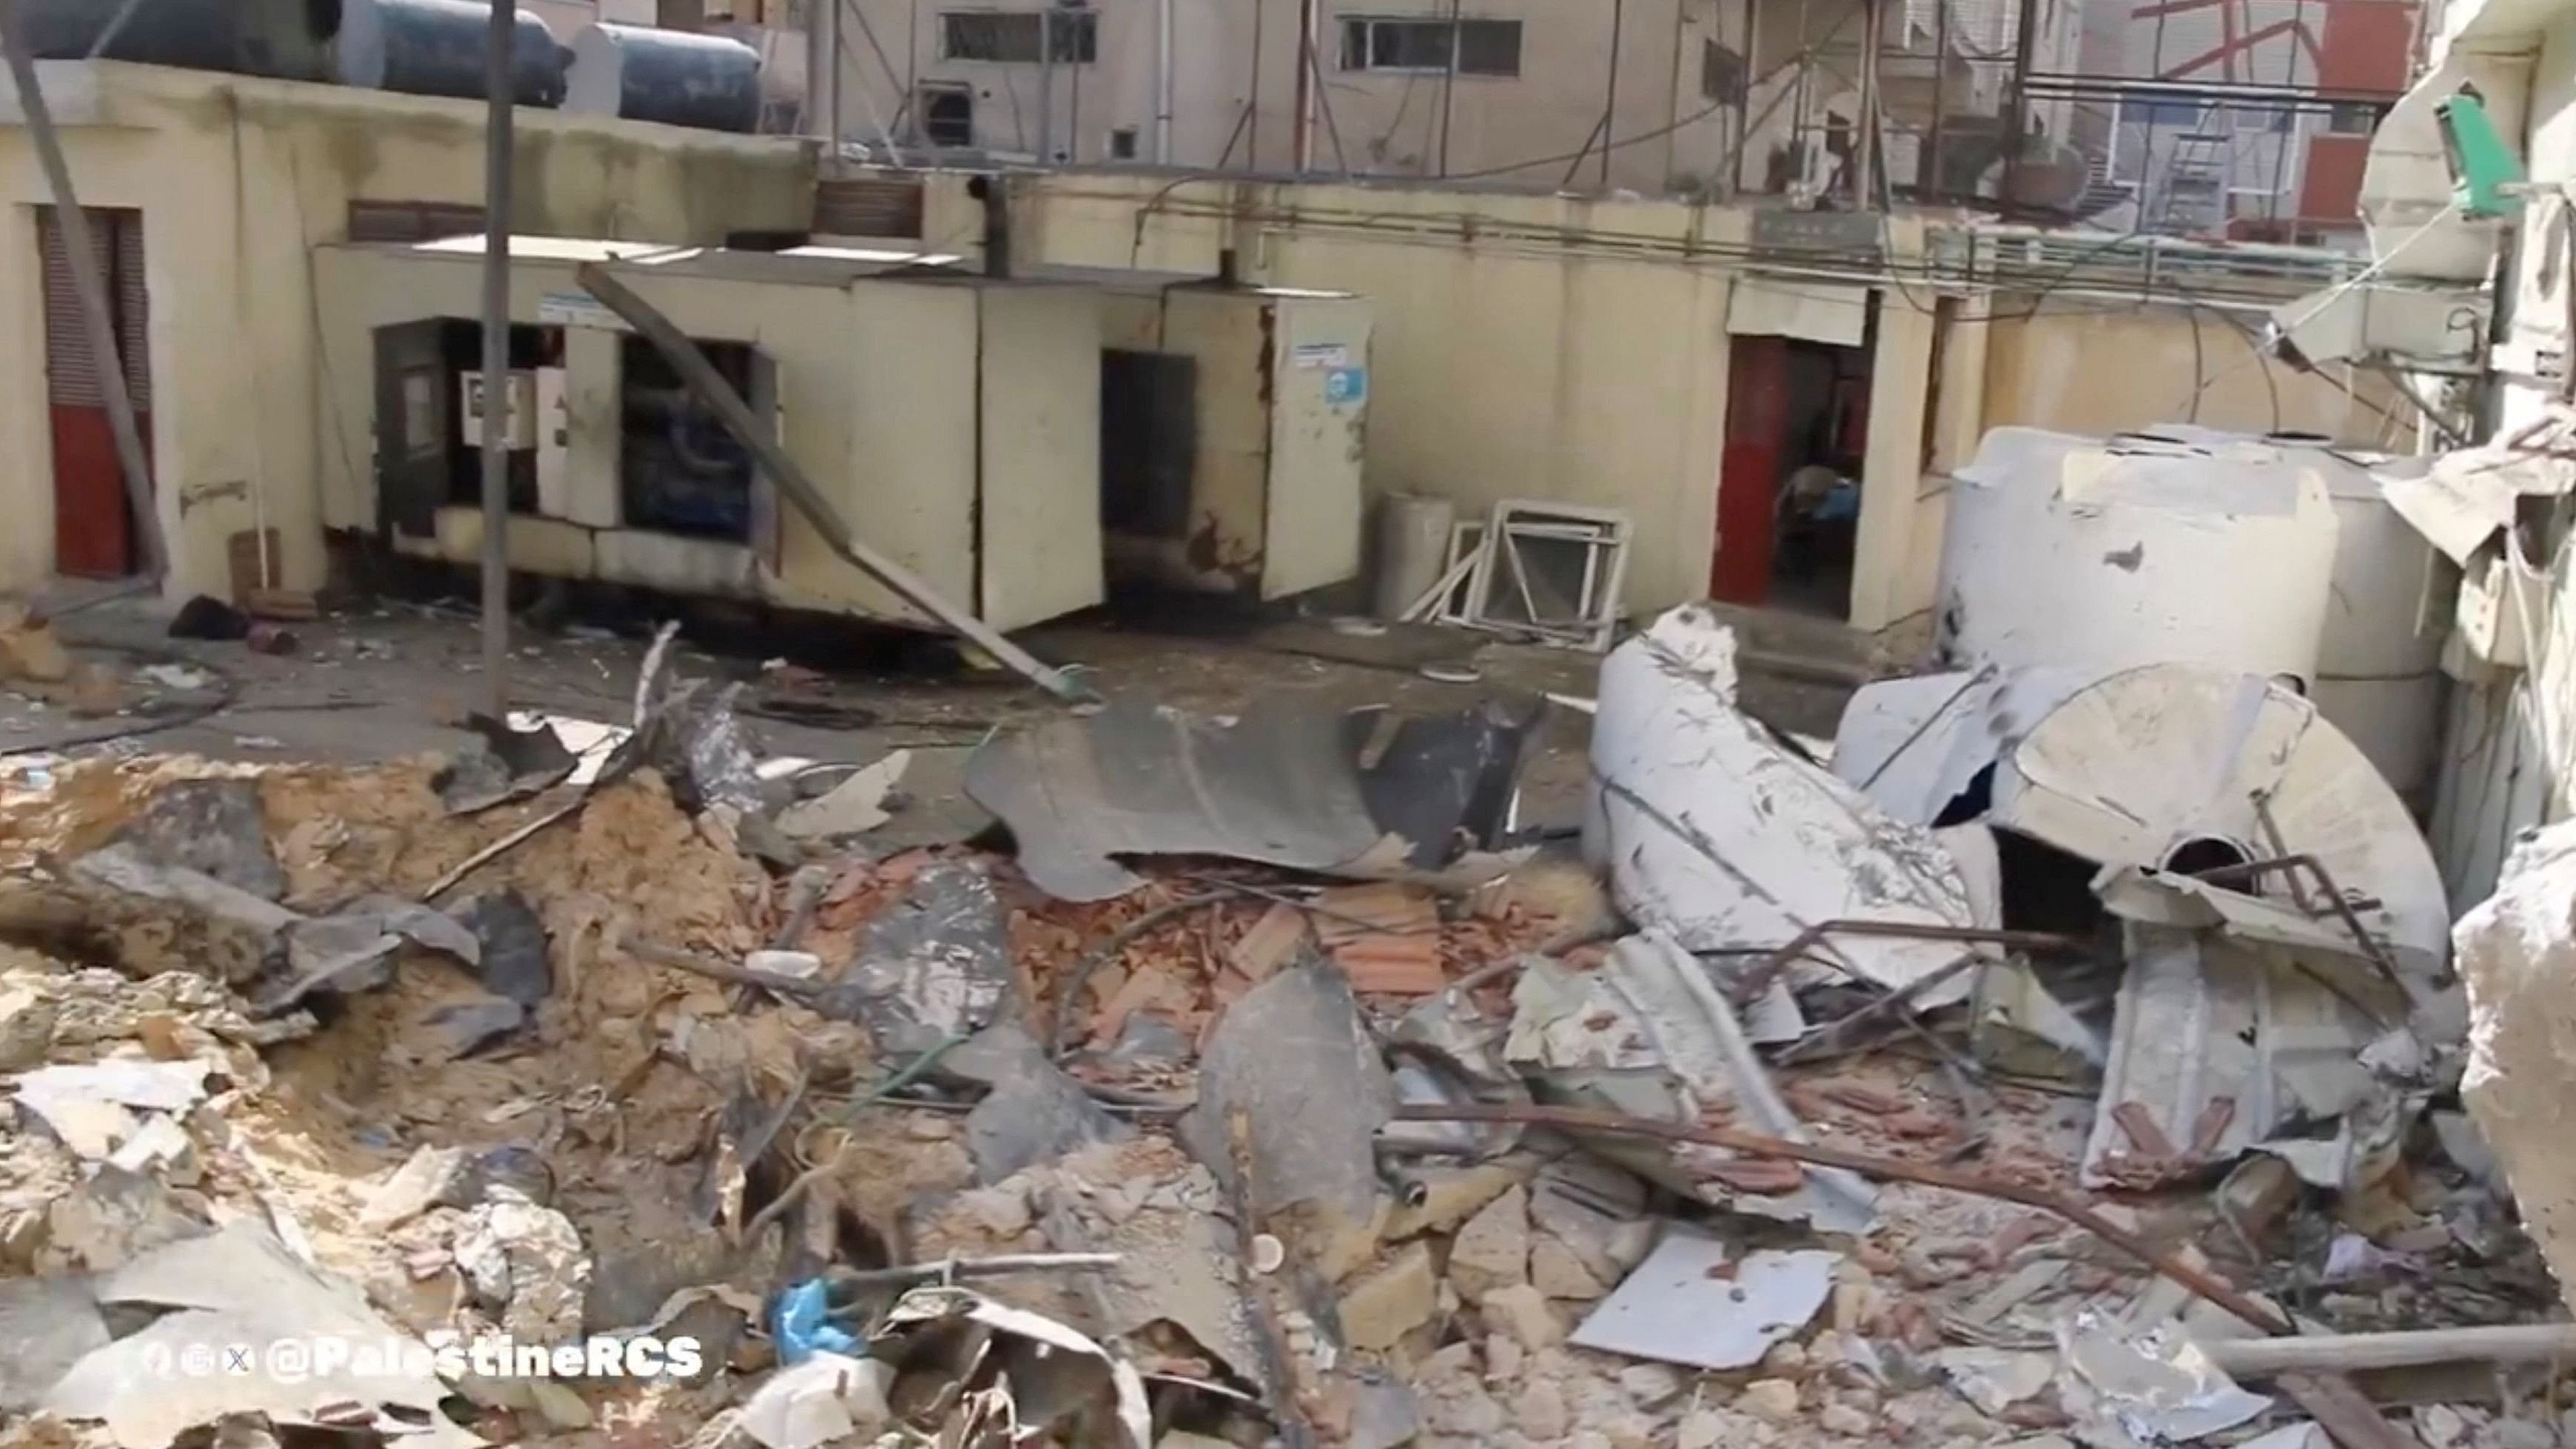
{"points": [[94, 525], [1788, 498]]}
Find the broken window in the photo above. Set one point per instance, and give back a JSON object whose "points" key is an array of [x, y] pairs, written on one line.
{"points": [[948, 115], [1721, 72], [1013, 36], [1478, 47]]}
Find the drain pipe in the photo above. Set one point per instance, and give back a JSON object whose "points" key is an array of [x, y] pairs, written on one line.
{"points": [[1162, 82]]}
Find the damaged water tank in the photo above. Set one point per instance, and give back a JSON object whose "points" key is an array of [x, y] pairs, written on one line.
{"points": [[2180, 546], [671, 76], [436, 48], [2388, 611], [287, 39]]}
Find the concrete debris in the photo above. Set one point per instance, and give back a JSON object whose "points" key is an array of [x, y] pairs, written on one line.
{"points": [[1995, 1379], [853, 807], [2517, 954], [1296, 1059], [510, 947], [2158, 1387], [525, 1266], [1227, 1174], [92, 1109], [1033, 1114], [1714, 832], [1693, 1301], [215, 828], [935, 965], [240, 1285], [1382, 1306]]}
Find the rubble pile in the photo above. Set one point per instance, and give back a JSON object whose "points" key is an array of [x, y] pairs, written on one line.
{"points": [[2066, 1061]]}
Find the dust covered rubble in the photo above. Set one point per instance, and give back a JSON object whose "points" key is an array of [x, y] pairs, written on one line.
{"points": [[1167, 1138]]}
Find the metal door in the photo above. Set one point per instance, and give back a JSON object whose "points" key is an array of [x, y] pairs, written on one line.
{"points": [[93, 524], [1748, 487]]}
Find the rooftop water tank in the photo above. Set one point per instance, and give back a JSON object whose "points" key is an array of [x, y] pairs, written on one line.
{"points": [[436, 48], [2181, 546], [288, 39], [671, 76]]}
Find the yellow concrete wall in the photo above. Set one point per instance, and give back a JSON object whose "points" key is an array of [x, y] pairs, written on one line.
{"points": [[2101, 367], [237, 178]]}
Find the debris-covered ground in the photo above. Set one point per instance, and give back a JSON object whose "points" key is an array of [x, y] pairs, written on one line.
{"points": [[2054, 1061]]}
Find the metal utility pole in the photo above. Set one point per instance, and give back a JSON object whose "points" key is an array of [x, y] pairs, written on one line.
{"points": [[823, 80], [1303, 133], [72, 231], [1873, 20], [1163, 83], [500, 92], [1609, 92]]}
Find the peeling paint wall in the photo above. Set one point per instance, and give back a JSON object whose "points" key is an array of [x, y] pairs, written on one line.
{"points": [[2104, 367], [237, 178]]}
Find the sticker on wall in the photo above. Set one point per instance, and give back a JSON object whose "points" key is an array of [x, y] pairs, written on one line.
{"points": [[576, 309], [1320, 354], [1346, 385]]}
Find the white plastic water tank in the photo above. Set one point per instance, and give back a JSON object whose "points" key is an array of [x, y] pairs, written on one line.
{"points": [[2180, 546], [2379, 664]]}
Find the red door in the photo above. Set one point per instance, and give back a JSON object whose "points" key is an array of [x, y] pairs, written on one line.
{"points": [[93, 526], [1748, 480]]}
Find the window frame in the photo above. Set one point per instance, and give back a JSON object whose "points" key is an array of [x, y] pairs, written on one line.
{"points": [[1078, 44], [1360, 46]]}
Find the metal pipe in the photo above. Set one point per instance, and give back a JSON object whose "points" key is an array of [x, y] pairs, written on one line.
{"points": [[89, 288], [1163, 82], [2017, 117], [1609, 92], [823, 88], [1449, 87], [499, 93], [1873, 31], [1046, 85], [1303, 130]]}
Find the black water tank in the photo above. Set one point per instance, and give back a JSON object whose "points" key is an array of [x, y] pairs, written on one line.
{"points": [[436, 48], [671, 76], [288, 39]]}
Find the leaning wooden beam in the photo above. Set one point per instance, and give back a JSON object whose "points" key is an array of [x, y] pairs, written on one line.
{"points": [[72, 230], [702, 378], [2256, 1358]]}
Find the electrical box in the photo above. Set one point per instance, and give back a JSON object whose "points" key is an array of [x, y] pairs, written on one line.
{"points": [[2495, 595], [1233, 433], [519, 395]]}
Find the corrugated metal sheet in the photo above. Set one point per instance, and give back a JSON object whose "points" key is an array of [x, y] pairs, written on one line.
{"points": [[868, 206]]}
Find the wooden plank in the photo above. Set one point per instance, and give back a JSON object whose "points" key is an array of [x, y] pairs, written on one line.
{"points": [[2352, 1352]]}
